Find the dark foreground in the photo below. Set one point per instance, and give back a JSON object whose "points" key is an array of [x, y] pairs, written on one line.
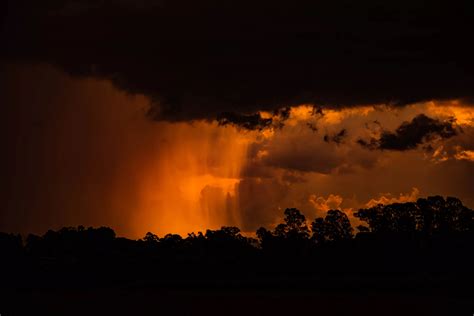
{"points": [[393, 298], [410, 259]]}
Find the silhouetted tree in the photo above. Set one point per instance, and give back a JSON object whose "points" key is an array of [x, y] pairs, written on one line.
{"points": [[227, 243], [294, 225], [334, 227], [151, 238], [289, 238], [72, 242], [225, 233], [433, 214], [445, 215], [171, 241]]}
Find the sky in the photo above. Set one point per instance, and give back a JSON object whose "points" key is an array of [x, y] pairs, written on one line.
{"points": [[178, 116]]}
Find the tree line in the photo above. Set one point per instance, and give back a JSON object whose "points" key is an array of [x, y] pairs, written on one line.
{"points": [[433, 234]]}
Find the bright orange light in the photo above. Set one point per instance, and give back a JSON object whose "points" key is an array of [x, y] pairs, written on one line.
{"points": [[190, 186]]}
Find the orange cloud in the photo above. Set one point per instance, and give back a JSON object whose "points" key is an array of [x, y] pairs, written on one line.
{"points": [[464, 154], [321, 204], [387, 198]]}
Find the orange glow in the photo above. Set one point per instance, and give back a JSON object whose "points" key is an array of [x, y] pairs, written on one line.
{"points": [[463, 113], [332, 117], [106, 163], [464, 154], [97, 160], [190, 186], [387, 198]]}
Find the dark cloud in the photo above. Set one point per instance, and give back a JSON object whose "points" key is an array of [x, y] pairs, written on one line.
{"points": [[304, 158], [409, 135], [250, 122], [198, 59], [254, 121], [337, 138]]}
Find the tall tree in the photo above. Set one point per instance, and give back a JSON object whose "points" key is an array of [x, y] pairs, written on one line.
{"points": [[336, 226]]}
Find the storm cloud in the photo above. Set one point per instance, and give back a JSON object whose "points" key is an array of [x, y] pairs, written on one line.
{"points": [[199, 59], [409, 135]]}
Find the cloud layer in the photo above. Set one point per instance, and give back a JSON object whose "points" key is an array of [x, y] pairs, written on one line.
{"points": [[199, 59]]}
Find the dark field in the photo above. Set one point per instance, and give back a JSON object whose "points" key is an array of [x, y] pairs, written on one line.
{"points": [[285, 297]]}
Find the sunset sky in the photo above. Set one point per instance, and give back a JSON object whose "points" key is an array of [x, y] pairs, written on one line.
{"points": [[177, 116]]}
